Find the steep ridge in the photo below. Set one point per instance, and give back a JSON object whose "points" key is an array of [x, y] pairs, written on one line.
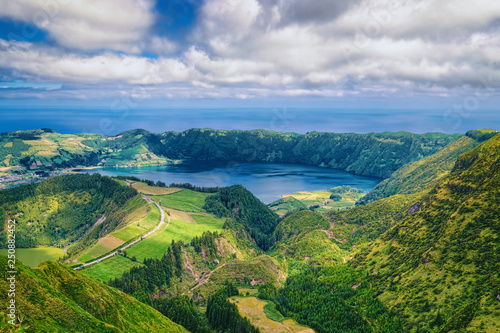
{"points": [[419, 175], [241, 205], [439, 267], [53, 298]]}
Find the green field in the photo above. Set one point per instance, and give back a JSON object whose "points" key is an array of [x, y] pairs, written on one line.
{"points": [[152, 219], [33, 257], [185, 200], [95, 251], [317, 200], [110, 268], [272, 313], [131, 231], [156, 245]]}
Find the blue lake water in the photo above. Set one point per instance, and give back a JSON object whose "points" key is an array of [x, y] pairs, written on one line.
{"points": [[267, 181]]}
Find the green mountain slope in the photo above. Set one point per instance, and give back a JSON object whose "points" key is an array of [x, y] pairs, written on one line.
{"points": [[439, 267], [373, 154], [416, 176], [362, 224], [239, 203], [298, 222], [62, 210], [53, 298]]}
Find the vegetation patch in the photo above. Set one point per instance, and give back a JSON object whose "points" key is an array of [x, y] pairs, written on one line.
{"points": [[265, 316], [155, 246], [33, 257], [110, 268], [185, 200], [154, 190], [130, 232]]}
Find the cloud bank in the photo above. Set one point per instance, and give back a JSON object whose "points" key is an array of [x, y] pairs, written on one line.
{"points": [[258, 48]]}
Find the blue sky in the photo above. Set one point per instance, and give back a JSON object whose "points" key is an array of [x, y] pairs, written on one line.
{"points": [[360, 54]]}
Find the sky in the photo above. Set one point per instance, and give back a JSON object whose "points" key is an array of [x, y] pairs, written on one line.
{"points": [[408, 55]]}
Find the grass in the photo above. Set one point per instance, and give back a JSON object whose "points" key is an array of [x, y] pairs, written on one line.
{"points": [[152, 219], [253, 309], [129, 232], [272, 313], [208, 220], [154, 190], [33, 257], [320, 198], [263, 268], [95, 251], [185, 200], [156, 245], [110, 268], [249, 291]]}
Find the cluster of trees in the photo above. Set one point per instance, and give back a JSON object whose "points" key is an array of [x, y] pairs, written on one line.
{"points": [[204, 189], [206, 241], [224, 316], [181, 310], [159, 183], [156, 274], [324, 299], [240, 204]]}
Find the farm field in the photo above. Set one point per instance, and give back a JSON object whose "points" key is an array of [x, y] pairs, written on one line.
{"points": [[142, 217], [253, 309], [154, 190], [34, 256], [319, 201], [156, 245], [110, 268], [185, 200]]}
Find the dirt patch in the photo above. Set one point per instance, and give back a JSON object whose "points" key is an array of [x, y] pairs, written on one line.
{"points": [[203, 253], [224, 248], [110, 241], [354, 286], [256, 282], [188, 267]]}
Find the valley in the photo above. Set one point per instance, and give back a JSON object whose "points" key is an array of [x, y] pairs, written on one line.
{"points": [[416, 253]]}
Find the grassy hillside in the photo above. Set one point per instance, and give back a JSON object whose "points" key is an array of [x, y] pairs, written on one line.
{"points": [[259, 314], [298, 222], [63, 210], [362, 224], [419, 175], [53, 298], [286, 205], [439, 266]]}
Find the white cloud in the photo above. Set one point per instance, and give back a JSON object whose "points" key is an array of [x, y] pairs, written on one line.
{"points": [[28, 60], [87, 24], [252, 48]]}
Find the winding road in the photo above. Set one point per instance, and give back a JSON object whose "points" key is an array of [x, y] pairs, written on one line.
{"points": [[162, 220]]}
